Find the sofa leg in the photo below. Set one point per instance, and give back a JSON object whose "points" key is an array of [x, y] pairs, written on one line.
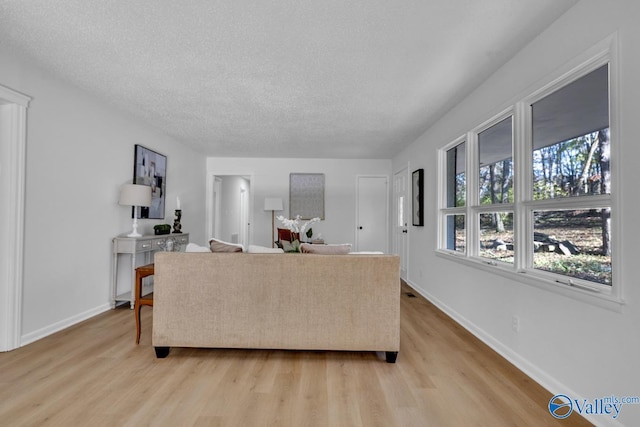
{"points": [[162, 352], [391, 356]]}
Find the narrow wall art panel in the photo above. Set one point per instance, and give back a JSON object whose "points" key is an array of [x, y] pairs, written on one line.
{"points": [[417, 197], [306, 195]]}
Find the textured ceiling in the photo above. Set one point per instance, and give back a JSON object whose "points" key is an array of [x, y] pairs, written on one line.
{"points": [[278, 78]]}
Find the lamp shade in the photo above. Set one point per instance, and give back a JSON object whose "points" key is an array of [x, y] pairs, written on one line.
{"points": [[135, 195], [273, 204]]}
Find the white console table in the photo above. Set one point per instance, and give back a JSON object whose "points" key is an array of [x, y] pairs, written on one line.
{"points": [[136, 248]]}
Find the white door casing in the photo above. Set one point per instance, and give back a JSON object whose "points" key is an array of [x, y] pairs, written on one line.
{"points": [[13, 131], [400, 215], [244, 217]]}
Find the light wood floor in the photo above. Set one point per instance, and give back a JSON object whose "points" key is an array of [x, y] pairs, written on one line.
{"points": [[93, 374]]}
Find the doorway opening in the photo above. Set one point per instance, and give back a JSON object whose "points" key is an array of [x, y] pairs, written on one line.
{"points": [[229, 208]]}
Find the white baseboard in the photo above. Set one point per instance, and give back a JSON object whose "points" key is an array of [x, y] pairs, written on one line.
{"points": [[537, 374], [63, 324]]}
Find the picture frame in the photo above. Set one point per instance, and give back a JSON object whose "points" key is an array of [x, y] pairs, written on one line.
{"points": [[150, 168], [417, 197], [306, 195]]}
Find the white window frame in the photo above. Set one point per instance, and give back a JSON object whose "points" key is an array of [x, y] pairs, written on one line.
{"points": [[474, 199], [524, 205], [442, 197]]}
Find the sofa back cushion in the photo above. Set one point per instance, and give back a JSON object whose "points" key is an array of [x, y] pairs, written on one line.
{"points": [[309, 248], [192, 247], [256, 249], [220, 246]]}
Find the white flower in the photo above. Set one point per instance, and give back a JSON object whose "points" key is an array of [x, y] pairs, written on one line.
{"points": [[295, 224]]}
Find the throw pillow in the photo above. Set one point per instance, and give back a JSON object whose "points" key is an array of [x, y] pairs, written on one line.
{"points": [[192, 247], [342, 249], [290, 246], [220, 246]]}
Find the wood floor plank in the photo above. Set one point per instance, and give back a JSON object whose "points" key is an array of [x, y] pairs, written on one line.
{"points": [[94, 374]]}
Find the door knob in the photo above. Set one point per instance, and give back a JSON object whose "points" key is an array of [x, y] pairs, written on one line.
{"points": [[360, 228], [404, 231]]}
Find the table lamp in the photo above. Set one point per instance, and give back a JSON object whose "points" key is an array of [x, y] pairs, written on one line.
{"points": [[135, 195]]}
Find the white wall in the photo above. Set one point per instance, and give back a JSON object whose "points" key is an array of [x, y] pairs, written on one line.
{"points": [[569, 346], [79, 152], [270, 178]]}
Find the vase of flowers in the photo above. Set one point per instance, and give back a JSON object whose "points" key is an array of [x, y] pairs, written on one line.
{"points": [[296, 225]]}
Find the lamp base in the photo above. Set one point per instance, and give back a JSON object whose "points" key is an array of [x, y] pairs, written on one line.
{"points": [[134, 232]]}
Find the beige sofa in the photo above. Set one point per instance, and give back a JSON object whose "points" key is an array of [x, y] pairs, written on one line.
{"points": [[277, 301]]}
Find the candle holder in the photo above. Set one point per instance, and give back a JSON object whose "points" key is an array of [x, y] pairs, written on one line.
{"points": [[176, 222]]}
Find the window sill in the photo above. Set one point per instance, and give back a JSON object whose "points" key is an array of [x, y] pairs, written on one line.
{"points": [[599, 299]]}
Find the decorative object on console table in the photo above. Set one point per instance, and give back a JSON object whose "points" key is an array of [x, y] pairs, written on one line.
{"points": [[417, 197], [273, 204], [176, 222], [150, 169], [171, 244], [135, 195], [161, 229]]}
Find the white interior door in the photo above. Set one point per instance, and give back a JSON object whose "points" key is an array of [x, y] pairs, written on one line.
{"points": [[400, 215], [372, 225]]}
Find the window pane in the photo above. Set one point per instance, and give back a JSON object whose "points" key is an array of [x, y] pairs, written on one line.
{"points": [[456, 179], [578, 167], [496, 236], [571, 139], [496, 163], [456, 238], [574, 243]]}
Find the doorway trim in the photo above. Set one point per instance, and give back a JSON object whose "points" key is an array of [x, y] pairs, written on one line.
{"points": [[13, 141], [404, 251]]}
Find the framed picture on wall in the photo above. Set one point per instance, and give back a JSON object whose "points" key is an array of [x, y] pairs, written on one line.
{"points": [[150, 168], [306, 195], [417, 197]]}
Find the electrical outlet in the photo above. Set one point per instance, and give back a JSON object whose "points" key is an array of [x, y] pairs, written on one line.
{"points": [[515, 323]]}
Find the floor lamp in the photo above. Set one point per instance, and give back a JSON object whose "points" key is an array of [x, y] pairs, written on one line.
{"points": [[273, 204]]}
